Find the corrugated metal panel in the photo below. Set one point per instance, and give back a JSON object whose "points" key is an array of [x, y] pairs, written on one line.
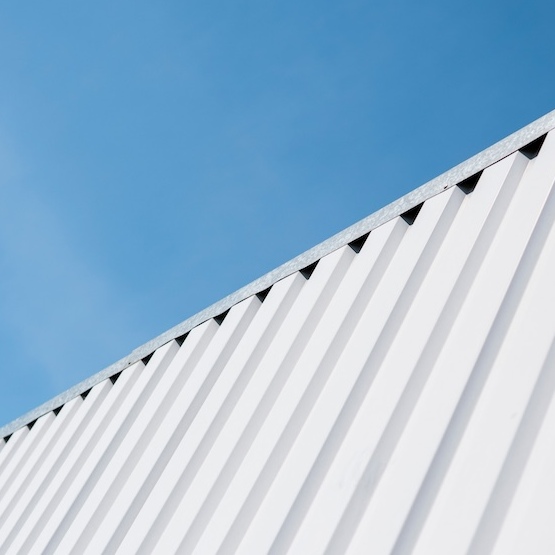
{"points": [[395, 398]]}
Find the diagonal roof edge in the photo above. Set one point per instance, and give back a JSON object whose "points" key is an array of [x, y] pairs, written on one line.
{"points": [[450, 178]]}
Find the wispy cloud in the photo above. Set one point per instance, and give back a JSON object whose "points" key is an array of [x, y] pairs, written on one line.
{"points": [[60, 314]]}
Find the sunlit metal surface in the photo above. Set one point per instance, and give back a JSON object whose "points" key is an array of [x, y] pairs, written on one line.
{"points": [[396, 398]]}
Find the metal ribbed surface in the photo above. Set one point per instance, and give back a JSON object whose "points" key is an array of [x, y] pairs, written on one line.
{"points": [[400, 400]]}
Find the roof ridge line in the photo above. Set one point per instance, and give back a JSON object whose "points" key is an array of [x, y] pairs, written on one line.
{"points": [[444, 181]]}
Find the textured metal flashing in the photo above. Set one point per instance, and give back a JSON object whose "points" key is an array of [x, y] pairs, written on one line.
{"points": [[445, 181]]}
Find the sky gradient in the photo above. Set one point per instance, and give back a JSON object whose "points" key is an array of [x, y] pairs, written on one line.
{"points": [[157, 156]]}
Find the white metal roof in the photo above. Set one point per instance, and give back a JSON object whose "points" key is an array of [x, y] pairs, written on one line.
{"points": [[383, 393]]}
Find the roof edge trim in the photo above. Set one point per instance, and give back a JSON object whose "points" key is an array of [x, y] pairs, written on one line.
{"points": [[445, 181]]}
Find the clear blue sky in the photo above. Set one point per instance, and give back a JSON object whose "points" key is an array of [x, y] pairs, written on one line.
{"points": [[157, 156]]}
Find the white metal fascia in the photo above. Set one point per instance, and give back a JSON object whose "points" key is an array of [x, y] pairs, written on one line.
{"points": [[399, 398]]}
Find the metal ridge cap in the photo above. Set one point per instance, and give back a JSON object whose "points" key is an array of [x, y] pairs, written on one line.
{"points": [[446, 180]]}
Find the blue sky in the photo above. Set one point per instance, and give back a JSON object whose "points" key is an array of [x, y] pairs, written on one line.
{"points": [[157, 156]]}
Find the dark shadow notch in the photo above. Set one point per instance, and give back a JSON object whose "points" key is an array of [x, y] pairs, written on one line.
{"points": [[114, 377], [531, 150], [357, 244], [307, 271], [469, 184], [181, 339], [7, 438], [410, 215], [221, 317], [263, 294], [85, 393], [31, 424], [57, 410], [145, 360]]}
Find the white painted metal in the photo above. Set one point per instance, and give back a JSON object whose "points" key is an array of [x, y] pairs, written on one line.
{"points": [[399, 400]]}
